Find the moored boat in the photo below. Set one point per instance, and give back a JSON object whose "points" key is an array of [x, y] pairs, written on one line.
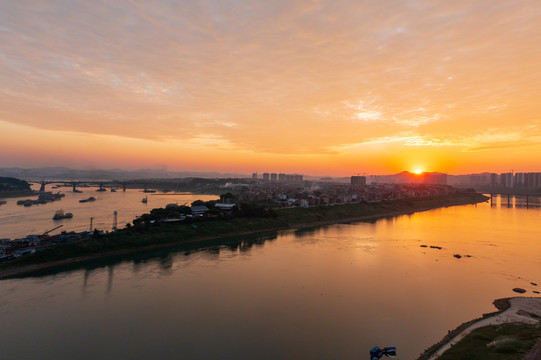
{"points": [[60, 214]]}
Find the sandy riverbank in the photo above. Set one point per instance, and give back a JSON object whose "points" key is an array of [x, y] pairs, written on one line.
{"points": [[526, 310]]}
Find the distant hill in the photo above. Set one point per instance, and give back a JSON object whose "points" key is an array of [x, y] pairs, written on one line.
{"points": [[63, 173], [405, 177]]}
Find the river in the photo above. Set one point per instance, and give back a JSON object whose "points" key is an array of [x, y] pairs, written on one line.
{"points": [[331, 292], [17, 221]]}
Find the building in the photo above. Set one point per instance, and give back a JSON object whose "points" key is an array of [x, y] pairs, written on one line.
{"points": [[358, 180], [274, 177], [225, 208], [493, 180], [254, 176], [199, 210], [266, 176], [506, 180], [436, 178]]}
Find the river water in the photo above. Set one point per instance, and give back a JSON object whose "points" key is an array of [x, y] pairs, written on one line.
{"points": [[17, 221], [331, 292]]}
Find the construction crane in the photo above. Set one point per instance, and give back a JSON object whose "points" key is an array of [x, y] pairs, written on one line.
{"points": [[48, 231]]}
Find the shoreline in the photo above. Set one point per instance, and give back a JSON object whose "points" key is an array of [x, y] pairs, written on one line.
{"points": [[21, 270], [525, 310], [32, 268]]}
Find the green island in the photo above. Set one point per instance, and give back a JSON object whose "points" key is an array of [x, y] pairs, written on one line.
{"points": [[147, 234]]}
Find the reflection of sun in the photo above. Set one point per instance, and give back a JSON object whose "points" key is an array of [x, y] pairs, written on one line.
{"points": [[418, 171]]}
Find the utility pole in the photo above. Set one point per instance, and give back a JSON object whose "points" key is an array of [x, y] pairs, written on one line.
{"points": [[91, 223], [115, 213]]}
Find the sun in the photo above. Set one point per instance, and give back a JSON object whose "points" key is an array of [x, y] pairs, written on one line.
{"points": [[418, 171]]}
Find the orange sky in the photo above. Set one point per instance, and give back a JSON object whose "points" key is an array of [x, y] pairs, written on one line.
{"points": [[314, 87]]}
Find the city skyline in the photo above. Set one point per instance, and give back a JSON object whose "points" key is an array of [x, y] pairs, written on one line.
{"points": [[319, 88]]}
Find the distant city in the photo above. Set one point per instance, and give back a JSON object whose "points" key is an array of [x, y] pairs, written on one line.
{"points": [[507, 180]]}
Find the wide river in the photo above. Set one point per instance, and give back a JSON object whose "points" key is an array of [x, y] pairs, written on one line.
{"points": [[331, 292]]}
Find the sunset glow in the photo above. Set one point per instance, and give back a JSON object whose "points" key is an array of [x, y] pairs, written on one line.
{"points": [[418, 171], [322, 88]]}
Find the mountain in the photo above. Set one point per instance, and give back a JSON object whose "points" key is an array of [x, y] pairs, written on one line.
{"points": [[63, 173]]}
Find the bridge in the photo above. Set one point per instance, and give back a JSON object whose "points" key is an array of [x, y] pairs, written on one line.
{"points": [[509, 195], [74, 184]]}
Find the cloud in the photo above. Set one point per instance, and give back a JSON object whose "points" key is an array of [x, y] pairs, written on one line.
{"points": [[271, 77]]}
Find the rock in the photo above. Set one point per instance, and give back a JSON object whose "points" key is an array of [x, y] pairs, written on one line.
{"points": [[457, 256], [519, 290]]}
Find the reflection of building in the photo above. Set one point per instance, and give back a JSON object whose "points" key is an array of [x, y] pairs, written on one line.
{"points": [[358, 180]]}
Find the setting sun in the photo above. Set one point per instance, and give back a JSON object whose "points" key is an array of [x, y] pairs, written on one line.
{"points": [[418, 171]]}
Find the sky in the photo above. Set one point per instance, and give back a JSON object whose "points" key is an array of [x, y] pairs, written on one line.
{"points": [[314, 87]]}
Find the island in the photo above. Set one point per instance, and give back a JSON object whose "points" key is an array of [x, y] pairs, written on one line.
{"points": [[173, 225], [12, 187]]}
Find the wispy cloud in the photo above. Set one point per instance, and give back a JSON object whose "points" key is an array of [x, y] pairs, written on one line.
{"points": [[275, 77]]}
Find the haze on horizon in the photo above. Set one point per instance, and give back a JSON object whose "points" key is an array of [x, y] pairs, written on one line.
{"points": [[319, 87]]}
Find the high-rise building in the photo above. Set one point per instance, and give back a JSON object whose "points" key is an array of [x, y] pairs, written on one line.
{"points": [[274, 177], [266, 176], [506, 180], [493, 179], [437, 178], [254, 176], [358, 180]]}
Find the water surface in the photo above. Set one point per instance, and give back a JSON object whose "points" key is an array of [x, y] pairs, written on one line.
{"points": [[326, 293], [17, 221]]}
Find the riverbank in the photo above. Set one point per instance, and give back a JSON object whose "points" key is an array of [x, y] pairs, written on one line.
{"points": [[133, 240], [518, 310]]}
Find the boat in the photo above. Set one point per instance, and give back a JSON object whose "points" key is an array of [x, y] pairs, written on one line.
{"points": [[60, 214], [92, 198], [113, 190], [145, 200]]}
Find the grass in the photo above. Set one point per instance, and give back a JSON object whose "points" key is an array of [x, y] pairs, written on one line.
{"points": [[497, 342]]}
